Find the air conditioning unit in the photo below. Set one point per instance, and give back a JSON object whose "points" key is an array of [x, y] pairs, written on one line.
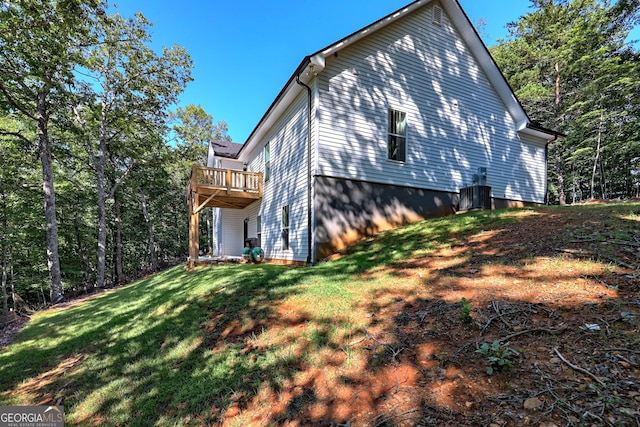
{"points": [[478, 194]]}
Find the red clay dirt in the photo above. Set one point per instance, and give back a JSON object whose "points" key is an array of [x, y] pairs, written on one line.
{"points": [[566, 303], [558, 291]]}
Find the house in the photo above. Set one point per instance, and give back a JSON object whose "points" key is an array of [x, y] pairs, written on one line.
{"points": [[381, 128]]}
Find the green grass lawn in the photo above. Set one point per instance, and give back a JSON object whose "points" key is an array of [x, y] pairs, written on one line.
{"points": [[180, 347]]}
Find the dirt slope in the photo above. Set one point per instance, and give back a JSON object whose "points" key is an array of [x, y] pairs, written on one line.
{"points": [[549, 305]]}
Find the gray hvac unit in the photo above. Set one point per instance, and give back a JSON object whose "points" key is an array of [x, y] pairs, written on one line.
{"points": [[478, 194]]}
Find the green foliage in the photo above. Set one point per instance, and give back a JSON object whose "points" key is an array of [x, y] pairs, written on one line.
{"points": [[108, 94], [570, 66], [193, 129], [498, 355], [465, 311]]}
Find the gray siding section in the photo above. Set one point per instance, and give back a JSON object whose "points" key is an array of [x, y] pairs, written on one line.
{"points": [[456, 121], [348, 210]]}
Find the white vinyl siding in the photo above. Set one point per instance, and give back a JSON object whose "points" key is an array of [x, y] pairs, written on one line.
{"points": [[232, 231], [259, 230], [267, 162], [216, 214], [457, 122], [287, 185], [252, 212]]}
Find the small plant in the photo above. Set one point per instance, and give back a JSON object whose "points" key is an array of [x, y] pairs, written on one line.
{"points": [[466, 311], [498, 355]]}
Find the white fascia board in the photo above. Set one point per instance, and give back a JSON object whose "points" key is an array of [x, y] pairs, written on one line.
{"points": [[539, 134], [288, 95], [210, 156], [349, 40]]}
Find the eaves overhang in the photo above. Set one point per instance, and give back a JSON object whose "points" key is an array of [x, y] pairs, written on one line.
{"points": [[311, 66], [539, 131], [314, 64]]}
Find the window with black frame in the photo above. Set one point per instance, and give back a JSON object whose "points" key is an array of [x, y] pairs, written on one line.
{"points": [[267, 161], [285, 228], [259, 230], [397, 136]]}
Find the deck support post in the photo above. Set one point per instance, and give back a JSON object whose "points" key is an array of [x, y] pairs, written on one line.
{"points": [[194, 222]]}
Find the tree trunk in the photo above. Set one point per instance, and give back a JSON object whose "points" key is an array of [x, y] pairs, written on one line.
{"points": [[44, 149], [558, 149], [81, 255], [597, 159], [603, 181], [3, 245], [5, 297], [152, 246], [118, 240], [99, 161], [13, 289]]}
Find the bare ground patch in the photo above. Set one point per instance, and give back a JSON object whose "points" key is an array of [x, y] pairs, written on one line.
{"points": [[551, 295]]}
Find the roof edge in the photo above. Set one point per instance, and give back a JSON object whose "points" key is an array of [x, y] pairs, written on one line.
{"points": [[314, 63], [371, 28], [303, 65]]}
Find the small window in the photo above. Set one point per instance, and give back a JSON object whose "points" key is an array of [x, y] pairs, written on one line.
{"points": [[259, 230], [397, 139], [285, 228], [267, 162]]}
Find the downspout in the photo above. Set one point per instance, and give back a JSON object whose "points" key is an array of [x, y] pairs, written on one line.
{"points": [[309, 262]]}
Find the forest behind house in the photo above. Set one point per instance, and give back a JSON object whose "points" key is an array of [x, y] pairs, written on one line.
{"points": [[96, 151]]}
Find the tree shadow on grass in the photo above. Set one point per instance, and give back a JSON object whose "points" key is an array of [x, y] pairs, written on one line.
{"points": [[419, 360], [375, 336], [148, 351]]}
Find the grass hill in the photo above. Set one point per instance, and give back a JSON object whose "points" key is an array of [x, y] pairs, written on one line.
{"points": [[493, 318]]}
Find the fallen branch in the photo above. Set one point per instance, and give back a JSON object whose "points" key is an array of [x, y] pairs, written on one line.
{"points": [[497, 310], [392, 417], [624, 243], [624, 359], [578, 368], [486, 326], [526, 331], [584, 240], [394, 349]]}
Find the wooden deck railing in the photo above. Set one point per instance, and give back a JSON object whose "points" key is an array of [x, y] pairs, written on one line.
{"points": [[227, 188], [226, 179]]}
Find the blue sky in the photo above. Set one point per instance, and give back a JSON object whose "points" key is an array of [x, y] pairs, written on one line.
{"points": [[244, 52]]}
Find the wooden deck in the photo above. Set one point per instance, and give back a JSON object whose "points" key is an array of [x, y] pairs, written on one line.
{"points": [[223, 188], [218, 188]]}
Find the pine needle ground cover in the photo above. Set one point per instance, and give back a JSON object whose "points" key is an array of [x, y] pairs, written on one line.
{"points": [[513, 317]]}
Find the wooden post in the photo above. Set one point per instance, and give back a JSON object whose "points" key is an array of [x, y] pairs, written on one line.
{"points": [[228, 181], [194, 176], [194, 244]]}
